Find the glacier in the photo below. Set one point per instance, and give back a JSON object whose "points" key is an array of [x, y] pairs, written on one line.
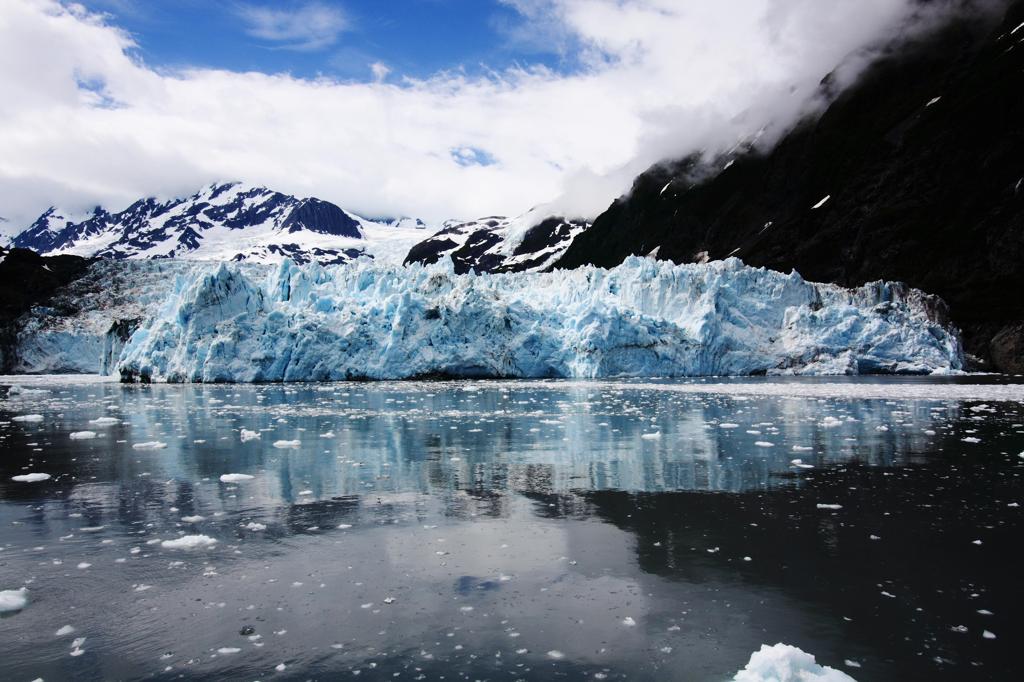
{"points": [[367, 320]]}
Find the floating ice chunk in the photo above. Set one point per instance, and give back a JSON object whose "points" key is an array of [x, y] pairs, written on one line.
{"points": [[555, 654], [305, 492], [28, 418], [344, 526], [628, 621], [280, 667], [105, 421], [286, 444], [988, 634], [932, 101], [193, 519], [784, 663], [728, 425], [13, 600], [30, 478], [822, 202], [248, 435], [651, 436], [228, 650], [831, 422], [149, 445], [82, 435], [829, 506], [235, 478], [802, 448], [764, 444], [851, 663], [253, 526], [189, 542], [83, 565], [971, 439], [64, 631]]}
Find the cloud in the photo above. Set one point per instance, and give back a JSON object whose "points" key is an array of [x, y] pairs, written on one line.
{"points": [[311, 26], [380, 71], [83, 121]]}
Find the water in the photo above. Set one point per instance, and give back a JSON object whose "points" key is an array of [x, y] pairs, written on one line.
{"points": [[514, 530]]}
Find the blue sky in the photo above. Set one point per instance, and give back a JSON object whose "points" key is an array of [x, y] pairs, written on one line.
{"points": [[415, 38]]}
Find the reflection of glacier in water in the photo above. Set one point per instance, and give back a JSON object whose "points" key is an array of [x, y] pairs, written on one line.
{"points": [[341, 439]]}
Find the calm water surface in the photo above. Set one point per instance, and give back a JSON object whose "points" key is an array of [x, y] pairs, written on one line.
{"points": [[512, 530]]}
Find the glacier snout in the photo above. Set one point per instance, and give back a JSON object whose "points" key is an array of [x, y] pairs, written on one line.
{"points": [[642, 318]]}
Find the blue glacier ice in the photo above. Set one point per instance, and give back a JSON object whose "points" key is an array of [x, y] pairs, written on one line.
{"points": [[643, 318]]}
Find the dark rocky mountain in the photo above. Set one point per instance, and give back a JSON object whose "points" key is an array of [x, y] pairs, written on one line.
{"points": [[915, 173], [499, 244], [26, 279]]}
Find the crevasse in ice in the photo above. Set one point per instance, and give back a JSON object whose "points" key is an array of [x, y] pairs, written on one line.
{"points": [[642, 318]]}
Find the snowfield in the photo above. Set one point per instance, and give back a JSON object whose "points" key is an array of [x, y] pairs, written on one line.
{"points": [[642, 318]]}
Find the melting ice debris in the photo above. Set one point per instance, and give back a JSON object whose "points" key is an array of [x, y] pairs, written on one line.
{"points": [[235, 478], [28, 418], [248, 435], [105, 421], [287, 444], [255, 527], [822, 202], [556, 654], [628, 621], [30, 478], [65, 631], [642, 318], [82, 435], [829, 506], [149, 445], [784, 663], [189, 542], [13, 600], [651, 436], [192, 519]]}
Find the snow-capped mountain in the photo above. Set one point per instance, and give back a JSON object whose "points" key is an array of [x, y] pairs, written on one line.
{"points": [[227, 221], [529, 242]]}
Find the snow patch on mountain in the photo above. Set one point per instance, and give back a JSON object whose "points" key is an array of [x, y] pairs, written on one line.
{"points": [[530, 242], [642, 318]]}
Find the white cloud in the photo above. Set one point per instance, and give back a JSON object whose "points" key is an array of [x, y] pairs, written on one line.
{"points": [[658, 79], [380, 71], [311, 26]]}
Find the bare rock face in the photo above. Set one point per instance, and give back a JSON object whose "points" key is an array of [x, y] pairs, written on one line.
{"points": [[1007, 349], [27, 279]]}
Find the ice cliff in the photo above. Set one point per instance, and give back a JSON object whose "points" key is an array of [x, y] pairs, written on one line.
{"points": [[642, 318]]}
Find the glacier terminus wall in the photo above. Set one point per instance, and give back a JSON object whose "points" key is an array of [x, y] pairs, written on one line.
{"points": [[643, 318]]}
